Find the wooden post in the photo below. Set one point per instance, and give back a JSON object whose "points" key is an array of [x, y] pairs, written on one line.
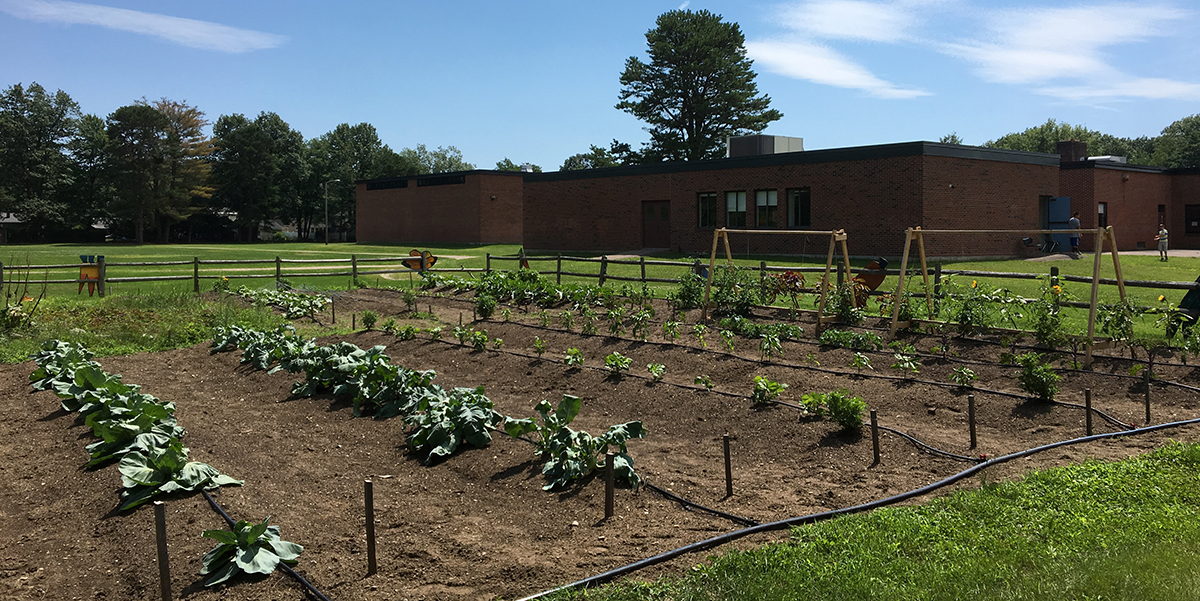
{"points": [[369, 499], [875, 435], [825, 281], [353, 319], [196, 275], [1054, 276], [558, 271], [899, 293], [762, 272], [488, 269], [937, 290], [712, 264], [643, 261], [278, 270], [924, 270], [728, 467], [333, 309], [1091, 327], [971, 417], [841, 276], [1112, 244], [354, 269], [603, 269], [103, 275], [1, 275], [1148, 394], [164, 563], [609, 484], [1087, 405]]}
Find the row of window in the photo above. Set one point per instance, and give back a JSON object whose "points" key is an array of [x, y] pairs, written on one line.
{"points": [[766, 209]]}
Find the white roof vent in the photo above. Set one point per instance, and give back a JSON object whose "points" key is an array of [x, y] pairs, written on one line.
{"points": [[1108, 158], [756, 145]]}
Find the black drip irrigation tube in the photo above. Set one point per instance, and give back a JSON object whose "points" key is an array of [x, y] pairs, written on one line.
{"points": [[927, 448], [688, 505], [228, 520], [826, 515]]}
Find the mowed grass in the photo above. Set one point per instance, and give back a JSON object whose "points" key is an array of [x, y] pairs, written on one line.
{"points": [[1120, 530]]}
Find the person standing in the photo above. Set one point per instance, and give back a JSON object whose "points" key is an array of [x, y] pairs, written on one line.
{"points": [[1162, 242], [1073, 223]]}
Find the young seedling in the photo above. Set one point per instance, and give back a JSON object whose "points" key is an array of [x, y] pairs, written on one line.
{"points": [[539, 346], [617, 363], [574, 357], [544, 319], [656, 371], [589, 322], [670, 330], [568, 320], [765, 390], [963, 376], [907, 363], [478, 339], [860, 362], [727, 337], [616, 321], [699, 330], [505, 313], [703, 380], [497, 343], [435, 333], [769, 345]]}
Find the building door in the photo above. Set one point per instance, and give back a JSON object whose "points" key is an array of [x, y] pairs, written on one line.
{"points": [[656, 224], [1055, 215]]}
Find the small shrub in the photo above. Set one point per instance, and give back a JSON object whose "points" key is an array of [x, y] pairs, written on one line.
{"points": [[689, 294], [368, 319], [845, 409], [770, 345], [1037, 378], [485, 306], [766, 390], [574, 357], [617, 363]]}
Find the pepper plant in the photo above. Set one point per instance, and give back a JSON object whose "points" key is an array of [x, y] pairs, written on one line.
{"points": [[617, 363], [656, 371], [766, 390]]}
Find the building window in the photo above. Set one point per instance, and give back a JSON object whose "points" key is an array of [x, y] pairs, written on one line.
{"points": [[1102, 214], [735, 209], [767, 204], [799, 211], [707, 209], [1191, 217]]}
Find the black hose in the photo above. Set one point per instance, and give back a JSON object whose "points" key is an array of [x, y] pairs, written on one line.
{"points": [[228, 520], [688, 505], [929, 449], [817, 517]]}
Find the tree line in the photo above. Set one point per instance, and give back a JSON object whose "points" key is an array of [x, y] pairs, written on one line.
{"points": [[149, 171]]}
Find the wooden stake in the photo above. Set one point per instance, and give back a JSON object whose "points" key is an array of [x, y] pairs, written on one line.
{"points": [[825, 282], [712, 263], [875, 435], [1087, 404], [924, 270], [1148, 395], [278, 270], [1091, 329], [369, 499], [728, 468], [609, 485], [164, 563], [353, 325], [899, 293], [1112, 243], [971, 417]]}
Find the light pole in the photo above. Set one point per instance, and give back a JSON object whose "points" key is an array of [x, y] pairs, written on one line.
{"points": [[326, 184]]}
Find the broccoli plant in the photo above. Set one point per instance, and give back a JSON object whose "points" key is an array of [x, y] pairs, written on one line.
{"points": [[444, 420], [250, 548], [571, 454]]}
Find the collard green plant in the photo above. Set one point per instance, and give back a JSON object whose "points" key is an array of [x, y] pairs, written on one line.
{"points": [[165, 470], [572, 454], [250, 548], [445, 420]]}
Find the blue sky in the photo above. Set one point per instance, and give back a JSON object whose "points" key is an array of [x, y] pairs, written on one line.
{"points": [[537, 81]]}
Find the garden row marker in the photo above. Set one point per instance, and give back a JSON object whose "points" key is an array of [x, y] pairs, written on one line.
{"points": [[835, 236], [164, 564], [916, 233], [971, 417], [875, 435], [369, 501], [728, 468], [1148, 395], [609, 484], [353, 326], [1087, 405]]}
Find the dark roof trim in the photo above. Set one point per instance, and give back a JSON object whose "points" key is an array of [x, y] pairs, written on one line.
{"points": [[426, 175], [856, 153], [1118, 167]]}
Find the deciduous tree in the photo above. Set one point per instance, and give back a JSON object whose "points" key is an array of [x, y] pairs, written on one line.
{"points": [[595, 158], [35, 128], [508, 165], [697, 89]]}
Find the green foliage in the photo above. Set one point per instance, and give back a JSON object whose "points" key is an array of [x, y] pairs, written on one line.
{"points": [[1037, 378], [689, 294], [727, 337], [963, 376], [640, 323], [907, 363], [250, 548], [616, 363], [1046, 312], [478, 339], [574, 357], [765, 391], [497, 343], [863, 341], [293, 304], [769, 345], [505, 313], [841, 406], [670, 330], [699, 330], [697, 89], [860, 362], [734, 291], [595, 158], [544, 318], [164, 470], [521, 287], [408, 332], [485, 305], [409, 296], [389, 326], [444, 420], [789, 284], [813, 403], [567, 319], [588, 317], [616, 321], [848, 302], [571, 454], [368, 319], [703, 380], [435, 333], [656, 370], [539, 346]]}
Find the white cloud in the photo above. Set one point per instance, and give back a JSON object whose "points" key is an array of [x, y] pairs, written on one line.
{"points": [[850, 20], [1146, 88], [685, 4], [204, 35], [823, 65]]}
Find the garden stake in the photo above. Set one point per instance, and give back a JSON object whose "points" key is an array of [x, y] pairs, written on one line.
{"points": [[609, 485], [333, 310], [1087, 404], [971, 417], [1147, 395], [369, 498], [875, 435], [164, 564], [353, 326], [728, 468]]}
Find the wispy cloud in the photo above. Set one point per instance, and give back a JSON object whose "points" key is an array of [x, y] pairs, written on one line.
{"points": [[193, 33], [685, 4], [850, 20], [823, 65]]}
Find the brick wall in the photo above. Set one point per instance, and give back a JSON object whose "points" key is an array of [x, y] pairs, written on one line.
{"points": [[451, 213]]}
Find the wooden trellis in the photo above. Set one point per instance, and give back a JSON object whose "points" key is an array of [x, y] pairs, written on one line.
{"points": [[1102, 234], [835, 236]]}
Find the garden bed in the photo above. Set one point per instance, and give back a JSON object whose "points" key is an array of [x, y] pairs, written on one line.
{"points": [[478, 525]]}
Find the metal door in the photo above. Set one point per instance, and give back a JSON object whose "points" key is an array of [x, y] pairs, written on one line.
{"points": [[656, 224]]}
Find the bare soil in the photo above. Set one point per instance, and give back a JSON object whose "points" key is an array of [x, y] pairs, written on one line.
{"points": [[478, 525]]}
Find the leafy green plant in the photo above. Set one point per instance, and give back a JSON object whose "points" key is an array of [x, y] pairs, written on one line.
{"points": [[445, 420], [963, 376], [902, 347], [588, 318], [657, 370], [689, 294], [539, 346], [497, 343], [765, 390], [616, 321], [368, 319], [860, 362], [699, 330], [408, 332], [574, 357], [670, 329], [734, 291], [164, 470], [389, 326], [295, 305], [845, 409], [727, 337], [544, 318], [848, 302], [1047, 316], [409, 297], [862, 341], [769, 345], [1037, 378], [435, 333], [906, 363], [250, 548], [572, 454], [462, 334], [568, 320], [505, 313], [485, 305], [813, 403], [616, 363], [703, 380], [640, 323], [478, 339]]}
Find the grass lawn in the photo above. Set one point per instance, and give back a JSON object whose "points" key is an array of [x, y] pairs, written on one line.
{"points": [[1121, 530]]}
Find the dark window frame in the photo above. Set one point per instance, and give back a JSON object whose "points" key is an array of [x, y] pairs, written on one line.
{"points": [[766, 215], [735, 217], [707, 217], [799, 207]]}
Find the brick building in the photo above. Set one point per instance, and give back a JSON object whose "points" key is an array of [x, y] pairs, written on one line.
{"points": [[873, 192]]}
